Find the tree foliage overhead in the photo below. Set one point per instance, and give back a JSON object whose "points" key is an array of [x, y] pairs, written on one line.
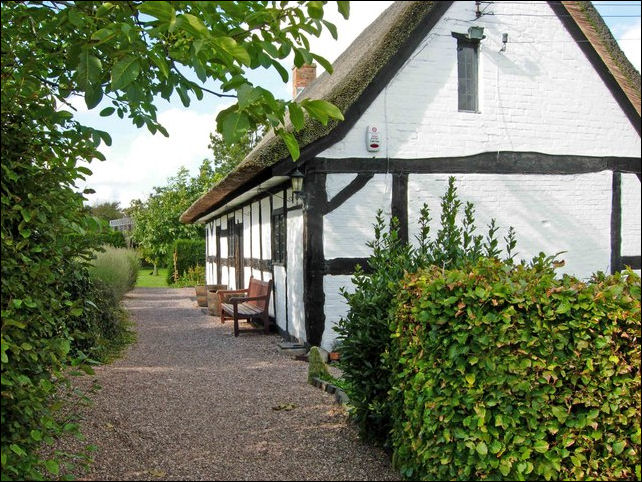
{"points": [[127, 53]]}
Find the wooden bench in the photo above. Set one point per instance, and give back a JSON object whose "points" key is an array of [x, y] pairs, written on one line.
{"points": [[254, 305]]}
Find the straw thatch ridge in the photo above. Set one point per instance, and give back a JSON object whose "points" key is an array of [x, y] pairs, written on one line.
{"points": [[367, 56], [601, 39]]}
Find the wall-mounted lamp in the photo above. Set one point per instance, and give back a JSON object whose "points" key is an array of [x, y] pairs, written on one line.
{"points": [[297, 184]]}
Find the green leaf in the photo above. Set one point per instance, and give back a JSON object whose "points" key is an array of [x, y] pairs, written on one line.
{"points": [[618, 447], [36, 435], [103, 35], [157, 9], [344, 8], [93, 96], [192, 25], [52, 466], [233, 125], [229, 46], [540, 446], [89, 69], [321, 110], [315, 10], [560, 413], [505, 467], [124, 72], [247, 95], [482, 449], [291, 143], [332, 28], [281, 70], [107, 111], [296, 115], [324, 63], [16, 449]]}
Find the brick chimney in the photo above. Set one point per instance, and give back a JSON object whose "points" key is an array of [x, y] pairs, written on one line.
{"points": [[301, 77]]}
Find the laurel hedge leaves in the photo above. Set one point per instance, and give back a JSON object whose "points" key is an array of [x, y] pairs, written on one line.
{"points": [[508, 372]]}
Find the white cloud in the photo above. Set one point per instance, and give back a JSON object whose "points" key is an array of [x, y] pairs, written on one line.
{"points": [[133, 169], [629, 41]]}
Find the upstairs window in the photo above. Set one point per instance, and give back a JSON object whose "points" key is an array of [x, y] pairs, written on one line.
{"points": [[279, 237], [467, 73]]}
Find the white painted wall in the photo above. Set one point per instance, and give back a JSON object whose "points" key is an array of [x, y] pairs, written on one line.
{"points": [[631, 215], [550, 213], [335, 306], [540, 95], [256, 229], [266, 229], [280, 277], [347, 229], [247, 241], [296, 306]]}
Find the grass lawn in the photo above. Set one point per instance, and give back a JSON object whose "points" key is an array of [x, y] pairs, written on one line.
{"points": [[146, 280]]}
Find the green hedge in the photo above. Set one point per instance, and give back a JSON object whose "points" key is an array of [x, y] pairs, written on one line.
{"points": [[189, 253], [503, 372]]}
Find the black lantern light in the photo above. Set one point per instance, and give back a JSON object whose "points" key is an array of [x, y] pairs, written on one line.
{"points": [[297, 183]]}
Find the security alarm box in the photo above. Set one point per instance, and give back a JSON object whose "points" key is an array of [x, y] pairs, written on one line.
{"points": [[373, 139]]}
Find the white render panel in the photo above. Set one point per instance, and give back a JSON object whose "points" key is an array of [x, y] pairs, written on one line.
{"points": [[296, 304], [335, 182], [225, 277], [256, 235], [232, 279], [279, 296], [247, 246], [335, 306], [550, 213], [247, 272], [540, 95], [277, 200], [347, 229], [256, 273], [267, 276], [631, 215], [266, 229]]}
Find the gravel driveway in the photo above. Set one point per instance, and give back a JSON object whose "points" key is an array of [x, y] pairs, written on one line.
{"points": [[189, 401]]}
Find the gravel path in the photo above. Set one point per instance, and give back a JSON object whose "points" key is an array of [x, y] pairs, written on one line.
{"points": [[189, 401]]}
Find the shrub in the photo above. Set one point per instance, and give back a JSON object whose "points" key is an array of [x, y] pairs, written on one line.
{"points": [[194, 276], [506, 372], [363, 335], [189, 253], [317, 368], [117, 268]]}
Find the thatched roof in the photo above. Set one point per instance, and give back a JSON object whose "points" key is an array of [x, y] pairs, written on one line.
{"points": [[379, 45]]}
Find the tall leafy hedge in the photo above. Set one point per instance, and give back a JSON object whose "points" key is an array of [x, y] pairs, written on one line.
{"points": [[507, 372], [189, 253], [363, 334]]}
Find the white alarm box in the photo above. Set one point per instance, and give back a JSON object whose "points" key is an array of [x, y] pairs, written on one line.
{"points": [[373, 139]]}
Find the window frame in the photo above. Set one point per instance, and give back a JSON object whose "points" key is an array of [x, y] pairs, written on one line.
{"points": [[467, 80]]}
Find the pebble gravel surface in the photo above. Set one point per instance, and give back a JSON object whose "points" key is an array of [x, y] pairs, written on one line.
{"points": [[189, 401]]}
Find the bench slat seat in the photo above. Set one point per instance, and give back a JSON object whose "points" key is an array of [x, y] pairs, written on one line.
{"points": [[254, 305]]}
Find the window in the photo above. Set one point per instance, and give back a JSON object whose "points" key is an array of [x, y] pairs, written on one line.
{"points": [[467, 62], [279, 237]]}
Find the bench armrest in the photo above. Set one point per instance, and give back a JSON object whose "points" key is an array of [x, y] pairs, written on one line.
{"points": [[239, 299]]}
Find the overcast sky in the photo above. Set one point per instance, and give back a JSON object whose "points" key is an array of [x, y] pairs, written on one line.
{"points": [[138, 161]]}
